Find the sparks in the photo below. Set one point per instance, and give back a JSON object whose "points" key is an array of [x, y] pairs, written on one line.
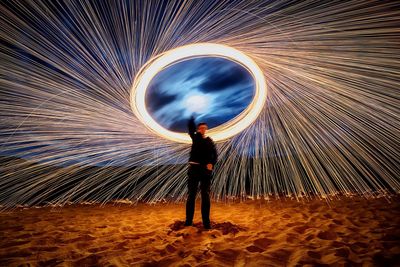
{"points": [[325, 118]]}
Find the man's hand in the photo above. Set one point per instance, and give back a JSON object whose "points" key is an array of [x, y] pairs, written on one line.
{"points": [[209, 166]]}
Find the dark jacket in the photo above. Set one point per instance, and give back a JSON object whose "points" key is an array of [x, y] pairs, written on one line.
{"points": [[203, 149]]}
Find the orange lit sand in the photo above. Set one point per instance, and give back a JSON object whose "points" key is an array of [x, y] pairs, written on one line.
{"points": [[252, 233]]}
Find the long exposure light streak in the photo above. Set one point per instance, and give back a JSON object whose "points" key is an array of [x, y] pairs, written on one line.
{"points": [[328, 126], [221, 132]]}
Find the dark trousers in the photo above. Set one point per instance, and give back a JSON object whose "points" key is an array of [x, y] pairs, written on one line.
{"points": [[198, 174]]}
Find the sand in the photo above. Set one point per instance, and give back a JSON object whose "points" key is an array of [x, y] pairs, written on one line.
{"points": [[347, 232]]}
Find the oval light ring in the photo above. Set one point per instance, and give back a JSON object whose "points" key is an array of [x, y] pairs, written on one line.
{"points": [[168, 58]]}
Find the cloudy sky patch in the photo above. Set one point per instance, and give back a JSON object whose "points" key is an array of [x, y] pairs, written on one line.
{"points": [[214, 89]]}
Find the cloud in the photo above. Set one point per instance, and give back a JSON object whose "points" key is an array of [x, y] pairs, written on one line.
{"points": [[156, 100], [229, 87], [179, 125], [225, 79]]}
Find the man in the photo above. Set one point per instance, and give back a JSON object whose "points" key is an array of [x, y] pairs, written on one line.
{"points": [[203, 157]]}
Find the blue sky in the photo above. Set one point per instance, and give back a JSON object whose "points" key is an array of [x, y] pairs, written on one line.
{"points": [[214, 89]]}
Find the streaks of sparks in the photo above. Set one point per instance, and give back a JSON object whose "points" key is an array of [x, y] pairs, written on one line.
{"points": [[330, 124]]}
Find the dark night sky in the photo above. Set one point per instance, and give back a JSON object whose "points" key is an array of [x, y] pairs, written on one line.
{"points": [[214, 89]]}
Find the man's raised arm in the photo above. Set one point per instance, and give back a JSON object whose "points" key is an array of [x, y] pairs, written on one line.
{"points": [[191, 127]]}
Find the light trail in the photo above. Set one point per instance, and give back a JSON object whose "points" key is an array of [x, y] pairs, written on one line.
{"points": [[221, 132], [328, 126]]}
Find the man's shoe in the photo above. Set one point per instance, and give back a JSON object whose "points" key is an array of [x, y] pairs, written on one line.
{"points": [[207, 226], [188, 224]]}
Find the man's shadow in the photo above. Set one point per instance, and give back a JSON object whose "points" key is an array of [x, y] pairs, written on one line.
{"points": [[224, 227]]}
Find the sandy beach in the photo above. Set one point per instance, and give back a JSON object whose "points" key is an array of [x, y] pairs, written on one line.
{"points": [[345, 232]]}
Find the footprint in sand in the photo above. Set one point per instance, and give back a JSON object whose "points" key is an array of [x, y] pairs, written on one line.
{"points": [[292, 238], [310, 237], [184, 254], [338, 222], [301, 229], [314, 254], [228, 227], [359, 247], [327, 235], [253, 249], [227, 256], [280, 256], [342, 252], [263, 242], [170, 248]]}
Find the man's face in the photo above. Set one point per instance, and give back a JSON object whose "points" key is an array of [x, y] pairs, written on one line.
{"points": [[202, 129]]}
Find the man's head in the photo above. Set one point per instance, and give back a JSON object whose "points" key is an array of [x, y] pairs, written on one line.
{"points": [[202, 128]]}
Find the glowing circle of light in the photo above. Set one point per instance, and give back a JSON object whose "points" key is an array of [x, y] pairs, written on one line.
{"points": [[168, 58]]}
